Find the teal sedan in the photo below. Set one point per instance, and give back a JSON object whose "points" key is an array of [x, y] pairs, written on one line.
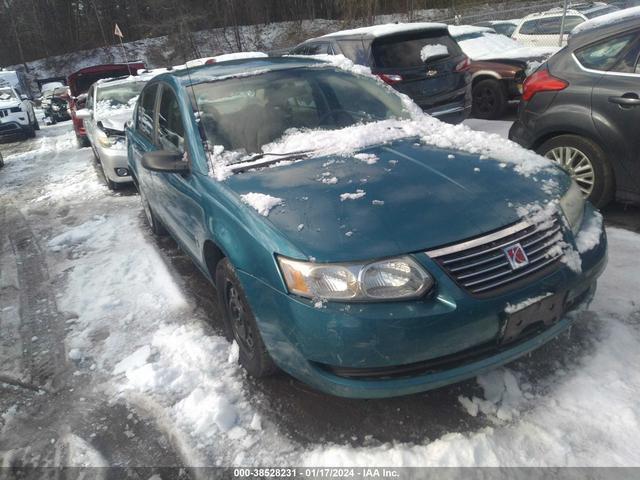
{"points": [[354, 242]]}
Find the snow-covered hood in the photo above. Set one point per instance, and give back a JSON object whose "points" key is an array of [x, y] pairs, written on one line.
{"points": [[525, 54], [392, 199], [116, 120]]}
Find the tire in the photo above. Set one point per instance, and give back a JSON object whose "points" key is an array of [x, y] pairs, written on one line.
{"points": [[241, 323], [154, 224], [113, 186], [602, 189], [489, 99], [83, 142], [36, 125], [29, 132]]}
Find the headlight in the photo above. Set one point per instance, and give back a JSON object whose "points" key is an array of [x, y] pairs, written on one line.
{"points": [[103, 139], [394, 279], [572, 204]]}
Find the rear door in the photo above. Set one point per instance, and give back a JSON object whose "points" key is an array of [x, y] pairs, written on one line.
{"points": [[616, 100], [426, 62]]}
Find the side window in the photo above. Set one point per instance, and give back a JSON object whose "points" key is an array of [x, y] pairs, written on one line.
{"points": [[529, 27], [318, 49], [605, 54], [170, 126], [300, 50], [144, 121], [630, 62], [549, 26], [354, 50], [572, 22]]}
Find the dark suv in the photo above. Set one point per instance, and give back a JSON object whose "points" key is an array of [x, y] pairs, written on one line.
{"points": [[421, 60], [582, 108]]}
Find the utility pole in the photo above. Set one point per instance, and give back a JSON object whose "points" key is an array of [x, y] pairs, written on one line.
{"points": [[562, 24]]}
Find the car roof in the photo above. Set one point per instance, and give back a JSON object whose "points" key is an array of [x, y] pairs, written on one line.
{"points": [[459, 30], [377, 31], [122, 80], [552, 13], [239, 68], [605, 26]]}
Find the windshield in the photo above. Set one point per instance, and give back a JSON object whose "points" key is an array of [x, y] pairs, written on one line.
{"points": [[116, 97], [479, 45], [7, 94], [243, 114]]}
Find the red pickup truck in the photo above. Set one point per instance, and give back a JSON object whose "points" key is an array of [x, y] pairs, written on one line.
{"points": [[80, 81]]}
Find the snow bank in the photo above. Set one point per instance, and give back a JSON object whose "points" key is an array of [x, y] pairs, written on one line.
{"points": [[260, 202]]}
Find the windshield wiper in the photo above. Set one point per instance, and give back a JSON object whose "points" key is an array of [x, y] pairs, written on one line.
{"points": [[250, 163]]}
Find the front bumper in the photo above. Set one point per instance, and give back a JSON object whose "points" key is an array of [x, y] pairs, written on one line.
{"points": [[112, 159], [324, 346], [12, 128]]}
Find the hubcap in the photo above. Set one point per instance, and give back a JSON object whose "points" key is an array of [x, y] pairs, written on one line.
{"points": [[239, 321], [577, 164]]}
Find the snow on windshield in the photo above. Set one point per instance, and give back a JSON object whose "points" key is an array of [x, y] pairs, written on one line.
{"points": [[349, 140], [433, 51]]}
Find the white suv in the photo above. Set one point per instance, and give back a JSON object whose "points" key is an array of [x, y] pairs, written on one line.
{"points": [[16, 114], [543, 29]]}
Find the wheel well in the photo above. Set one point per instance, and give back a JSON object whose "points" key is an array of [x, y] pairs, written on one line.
{"points": [[551, 135], [212, 256], [480, 78]]}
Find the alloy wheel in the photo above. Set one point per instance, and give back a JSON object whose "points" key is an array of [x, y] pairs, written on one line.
{"points": [[576, 164]]}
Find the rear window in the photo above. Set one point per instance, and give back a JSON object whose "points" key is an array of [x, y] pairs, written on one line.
{"points": [[408, 51], [605, 54]]}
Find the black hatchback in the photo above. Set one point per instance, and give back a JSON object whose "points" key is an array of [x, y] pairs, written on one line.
{"points": [[582, 108], [421, 60]]}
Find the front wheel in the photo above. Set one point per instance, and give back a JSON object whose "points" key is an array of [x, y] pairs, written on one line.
{"points": [[241, 323], [587, 164], [156, 226]]}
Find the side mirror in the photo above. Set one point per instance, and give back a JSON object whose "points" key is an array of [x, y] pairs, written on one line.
{"points": [[84, 114], [165, 161]]}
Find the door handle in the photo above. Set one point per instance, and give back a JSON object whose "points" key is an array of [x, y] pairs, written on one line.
{"points": [[626, 100]]}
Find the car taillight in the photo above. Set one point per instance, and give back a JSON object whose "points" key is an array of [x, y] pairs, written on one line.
{"points": [[390, 78], [542, 81], [464, 65], [211, 61]]}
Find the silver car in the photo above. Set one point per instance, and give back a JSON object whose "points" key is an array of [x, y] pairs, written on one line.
{"points": [[109, 107]]}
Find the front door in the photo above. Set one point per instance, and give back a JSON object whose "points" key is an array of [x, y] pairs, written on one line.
{"points": [[178, 196]]}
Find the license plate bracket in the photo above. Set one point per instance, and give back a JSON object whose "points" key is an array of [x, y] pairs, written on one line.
{"points": [[546, 311]]}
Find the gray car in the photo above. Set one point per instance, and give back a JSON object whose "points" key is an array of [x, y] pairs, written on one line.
{"points": [[582, 108], [109, 107]]}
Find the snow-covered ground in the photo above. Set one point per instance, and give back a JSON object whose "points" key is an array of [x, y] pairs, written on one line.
{"points": [[138, 374]]}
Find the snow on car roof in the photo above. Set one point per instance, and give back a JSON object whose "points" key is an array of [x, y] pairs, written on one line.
{"points": [[459, 30], [122, 80], [608, 19], [376, 31]]}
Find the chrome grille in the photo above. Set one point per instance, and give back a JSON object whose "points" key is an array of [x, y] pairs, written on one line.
{"points": [[481, 266]]}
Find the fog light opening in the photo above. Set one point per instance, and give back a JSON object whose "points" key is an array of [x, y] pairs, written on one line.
{"points": [[122, 172]]}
